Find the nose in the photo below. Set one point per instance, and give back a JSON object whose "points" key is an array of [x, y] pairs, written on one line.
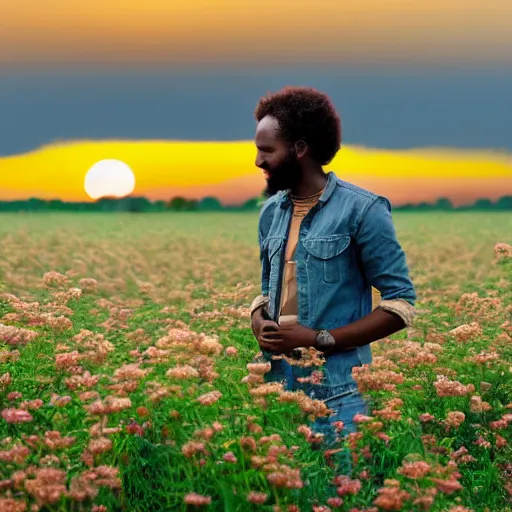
{"points": [[259, 160]]}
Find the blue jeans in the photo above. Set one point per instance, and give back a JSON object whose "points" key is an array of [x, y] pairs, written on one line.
{"points": [[338, 390]]}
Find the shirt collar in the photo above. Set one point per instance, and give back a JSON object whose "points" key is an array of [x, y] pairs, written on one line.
{"points": [[326, 195]]}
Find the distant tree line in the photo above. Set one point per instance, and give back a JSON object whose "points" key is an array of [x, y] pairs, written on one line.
{"points": [[126, 204], [212, 204], [504, 203]]}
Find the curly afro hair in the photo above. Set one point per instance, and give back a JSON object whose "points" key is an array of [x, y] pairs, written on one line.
{"points": [[304, 113]]}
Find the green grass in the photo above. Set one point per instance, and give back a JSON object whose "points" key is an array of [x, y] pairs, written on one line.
{"points": [[190, 270]]}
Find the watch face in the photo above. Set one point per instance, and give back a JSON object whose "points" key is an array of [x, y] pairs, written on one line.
{"points": [[327, 339], [323, 338]]}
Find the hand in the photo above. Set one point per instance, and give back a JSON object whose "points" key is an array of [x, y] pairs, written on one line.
{"points": [[261, 325], [287, 338]]}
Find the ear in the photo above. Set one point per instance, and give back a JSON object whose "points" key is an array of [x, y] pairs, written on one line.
{"points": [[301, 148]]}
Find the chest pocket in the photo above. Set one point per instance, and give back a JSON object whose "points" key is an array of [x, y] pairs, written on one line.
{"points": [[326, 254]]}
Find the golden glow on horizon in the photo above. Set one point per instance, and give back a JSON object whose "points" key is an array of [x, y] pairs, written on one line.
{"points": [[164, 169], [267, 31]]}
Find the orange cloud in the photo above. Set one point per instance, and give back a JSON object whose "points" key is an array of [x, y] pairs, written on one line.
{"points": [[207, 31]]}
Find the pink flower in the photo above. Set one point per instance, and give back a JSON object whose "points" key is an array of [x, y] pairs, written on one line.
{"points": [[346, 485], [54, 279], [361, 418], [476, 405], [12, 505], [192, 447], [249, 443], [503, 250], [54, 440], [383, 436], [59, 323], [462, 456], [500, 441], [17, 453], [16, 335], [414, 470], [447, 486], [196, 500], [67, 359], [32, 405], [482, 442], [258, 368], [257, 497], [498, 424], [391, 498], [218, 427], [48, 486], [286, 477], [9, 355], [100, 445], [484, 357], [5, 380], [338, 426], [369, 379], [88, 284], [16, 416], [455, 419], [426, 500], [466, 332], [182, 372], [209, 398], [446, 387], [388, 414], [230, 457]]}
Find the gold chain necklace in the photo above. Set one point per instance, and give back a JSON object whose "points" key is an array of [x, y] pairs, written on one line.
{"points": [[301, 205]]}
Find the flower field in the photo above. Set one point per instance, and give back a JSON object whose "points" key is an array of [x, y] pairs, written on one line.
{"points": [[126, 381]]}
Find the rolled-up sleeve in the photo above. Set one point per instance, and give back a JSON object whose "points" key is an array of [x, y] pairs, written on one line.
{"points": [[384, 261]]}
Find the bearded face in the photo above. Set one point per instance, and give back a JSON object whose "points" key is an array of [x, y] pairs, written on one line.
{"points": [[277, 158], [282, 175]]}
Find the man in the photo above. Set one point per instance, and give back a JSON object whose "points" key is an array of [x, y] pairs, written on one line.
{"points": [[324, 244]]}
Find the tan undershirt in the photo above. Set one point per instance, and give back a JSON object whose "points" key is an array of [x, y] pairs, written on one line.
{"points": [[289, 301]]}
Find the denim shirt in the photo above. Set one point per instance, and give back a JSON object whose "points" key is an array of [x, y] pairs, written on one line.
{"points": [[347, 244]]}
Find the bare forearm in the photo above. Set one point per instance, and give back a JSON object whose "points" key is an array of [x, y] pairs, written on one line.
{"points": [[374, 326]]}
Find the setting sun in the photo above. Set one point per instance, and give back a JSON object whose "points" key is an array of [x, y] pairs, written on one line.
{"points": [[109, 178]]}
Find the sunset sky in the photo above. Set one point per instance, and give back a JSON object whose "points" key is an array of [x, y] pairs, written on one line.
{"points": [[422, 88]]}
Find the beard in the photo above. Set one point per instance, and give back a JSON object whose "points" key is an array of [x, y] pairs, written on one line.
{"points": [[286, 175]]}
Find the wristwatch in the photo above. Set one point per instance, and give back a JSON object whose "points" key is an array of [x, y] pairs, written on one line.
{"points": [[324, 340]]}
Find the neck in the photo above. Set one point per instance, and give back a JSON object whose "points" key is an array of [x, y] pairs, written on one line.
{"points": [[313, 181]]}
